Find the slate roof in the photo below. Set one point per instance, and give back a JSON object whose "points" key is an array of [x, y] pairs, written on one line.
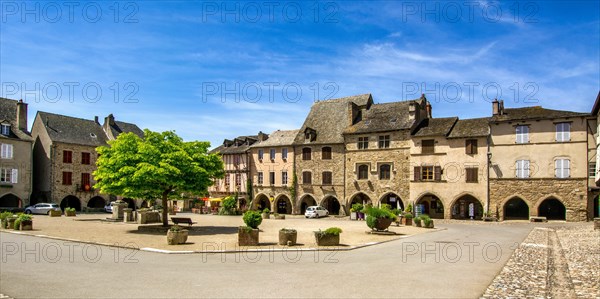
{"points": [[329, 119], [596, 106], [278, 138], [435, 127], [534, 112], [238, 145], [123, 127], [474, 127], [383, 117], [67, 129], [8, 113]]}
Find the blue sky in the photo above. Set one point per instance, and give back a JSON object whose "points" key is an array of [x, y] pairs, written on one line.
{"points": [[215, 70]]}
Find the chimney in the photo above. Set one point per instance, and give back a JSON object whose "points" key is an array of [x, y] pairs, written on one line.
{"points": [[495, 107], [110, 120], [22, 115], [96, 120], [262, 136], [501, 107], [428, 108]]}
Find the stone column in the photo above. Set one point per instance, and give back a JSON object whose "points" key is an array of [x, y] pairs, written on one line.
{"points": [[128, 215], [596, 223], [117, 211]]}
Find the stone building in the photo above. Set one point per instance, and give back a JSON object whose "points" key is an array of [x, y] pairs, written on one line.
{"points": [[594, 160], [539, 164], [272, 171], [449, 167], [15, 154], [64, 158], [377, 149], [237, 163]]}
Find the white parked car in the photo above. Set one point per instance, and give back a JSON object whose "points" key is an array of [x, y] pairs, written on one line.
{"points": [[108, 208], [42, 208], [316, 212]]}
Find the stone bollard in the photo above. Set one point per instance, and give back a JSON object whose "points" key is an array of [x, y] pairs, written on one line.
{"points": [[596, 223], [117, 212], [127, 215]]}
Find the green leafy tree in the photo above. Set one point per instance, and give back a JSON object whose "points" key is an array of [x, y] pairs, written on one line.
{"points": [[158, 166]]}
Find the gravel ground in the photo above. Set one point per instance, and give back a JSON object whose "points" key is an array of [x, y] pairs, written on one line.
{"points": [[552, 262]]}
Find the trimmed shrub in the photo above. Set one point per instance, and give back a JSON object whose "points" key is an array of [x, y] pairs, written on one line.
{"points": [[252, 219]]}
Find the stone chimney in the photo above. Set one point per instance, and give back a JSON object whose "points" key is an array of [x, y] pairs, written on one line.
{"points": [[497, 107], [354, 113], [109, 120], [428, 108], [262, 136], [96, 120], [22, 115]]}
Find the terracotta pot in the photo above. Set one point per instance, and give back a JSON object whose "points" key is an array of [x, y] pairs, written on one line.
{"points": [[327, 240], [287, 236], [247, 237], [178, 237]]}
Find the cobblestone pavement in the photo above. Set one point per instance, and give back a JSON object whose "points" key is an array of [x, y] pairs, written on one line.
{"points": [[552, 262]]}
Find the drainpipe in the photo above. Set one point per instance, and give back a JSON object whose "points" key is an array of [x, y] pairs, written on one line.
{"points": [[489, 165]]}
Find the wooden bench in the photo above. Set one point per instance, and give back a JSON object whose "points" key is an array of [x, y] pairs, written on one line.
{"points": [[538, 219], [185, 220]]}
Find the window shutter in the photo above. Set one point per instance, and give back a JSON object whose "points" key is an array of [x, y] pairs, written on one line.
{"points": [[567, 168], [468, 147], [557, 168], [417, 173], [526, 168], [518, 169], [438, 173], [15, 176], [474, 146]]}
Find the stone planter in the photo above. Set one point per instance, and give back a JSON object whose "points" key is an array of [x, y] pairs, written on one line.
{"points": [[382, 224], [247, 237], [353, 216], [265, 215], [418, 223], [288, 237], [3, 224], [26, 225], [596, 223], [178, 237], [488, 219], [54, 213], [407, 221], [70, 213], [430, 225], [327, 240], [148, 217], [280, 217], [10, 222]]}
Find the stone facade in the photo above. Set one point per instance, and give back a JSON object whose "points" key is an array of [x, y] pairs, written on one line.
{"points": [[571, 192]]}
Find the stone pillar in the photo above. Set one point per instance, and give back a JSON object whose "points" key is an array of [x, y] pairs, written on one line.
{"points": [[128, 215], [596, 223], [117, 211]]}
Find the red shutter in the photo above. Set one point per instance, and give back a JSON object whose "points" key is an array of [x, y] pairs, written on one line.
{"points": [[438, 173], [417, 173]]}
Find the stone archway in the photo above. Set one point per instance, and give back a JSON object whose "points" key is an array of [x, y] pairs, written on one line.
{"points": [[332, 204], [393, 200], [130, 203], [96, 202], [305, 202], [430, 205], [360, 198], [596, 206], [10, 201], [70, 201], [464, 206], [552, 209], [283, 205], [261, 202], [515, 209]]}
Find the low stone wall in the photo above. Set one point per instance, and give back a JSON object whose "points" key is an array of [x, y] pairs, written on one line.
{"points": [[148, 217]]}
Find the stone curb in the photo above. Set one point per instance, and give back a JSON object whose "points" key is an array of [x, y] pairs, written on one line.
{"points": [[163, 251]]}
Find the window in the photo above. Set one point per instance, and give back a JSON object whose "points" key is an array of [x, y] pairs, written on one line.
{"points": [[471, 146], [67, 157], [384, 141], [260, 154], [284, 177], [563, 132], [384, 171], [428, 173], [5, 129], [522, 169], [326, 153], [428, 146], [236, 160], [363, 172], [67, 178], [8, 175], [363, 142], [85, 158], [272, 178], [306, 177], [85, 181], [522, 134], [592, 169], [272, 154], [306, 152], [260, 178], [562, 168], [7, 151], [284, 152], [472, 174], [327, 177], [227, 180], [238, 179]]}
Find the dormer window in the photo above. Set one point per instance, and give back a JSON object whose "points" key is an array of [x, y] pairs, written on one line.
{"points": [[5, 128], [310, 135]]}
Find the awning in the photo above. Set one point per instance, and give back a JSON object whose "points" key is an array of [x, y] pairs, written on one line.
{"points": [[215, 199]]}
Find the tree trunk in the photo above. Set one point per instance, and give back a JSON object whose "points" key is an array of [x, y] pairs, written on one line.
{"points": [[165, 211]]}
